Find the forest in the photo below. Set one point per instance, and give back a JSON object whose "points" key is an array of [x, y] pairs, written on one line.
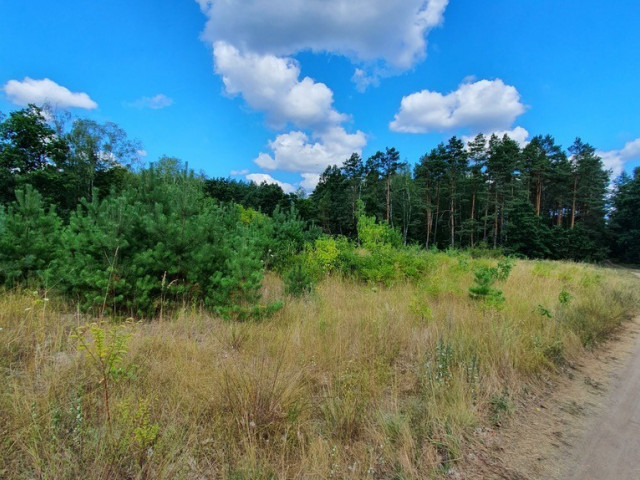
{"points": [[81, 215]]}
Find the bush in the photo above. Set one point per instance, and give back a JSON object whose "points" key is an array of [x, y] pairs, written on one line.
{"points": [[160, 244], [298, 281], [485, 277], [29, 238]]}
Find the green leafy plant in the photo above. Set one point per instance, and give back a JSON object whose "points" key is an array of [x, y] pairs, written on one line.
{"points": [[298, 281], [139, 432], [504, 269], [486, 277], [106, 347], [544, 311], [483, 289], [500, 407], [565, 297]]}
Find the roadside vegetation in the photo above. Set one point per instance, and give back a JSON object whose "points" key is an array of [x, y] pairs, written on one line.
{"points": [[355, 380]]}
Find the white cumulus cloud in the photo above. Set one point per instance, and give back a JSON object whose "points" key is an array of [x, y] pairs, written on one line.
{"points": [[631, 150], [253, 47], [155, 103], [44, 91], [309, 181], [259, 178], [485, 106], [615, 160], [272, 85], [296, 152], [364, 30], [519, 134]]}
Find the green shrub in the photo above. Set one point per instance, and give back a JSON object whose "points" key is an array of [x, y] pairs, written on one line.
{"points": [[298, 281], [29, 238], [161, 244], [483, 289]]}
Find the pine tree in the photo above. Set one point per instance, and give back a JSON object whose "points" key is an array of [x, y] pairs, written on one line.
{"points": [[29, 238], [477, 185], [456, 161], [624, 223], [430, 177]]}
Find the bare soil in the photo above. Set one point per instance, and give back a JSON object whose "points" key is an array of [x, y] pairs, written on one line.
{"points": [[585, 426]]}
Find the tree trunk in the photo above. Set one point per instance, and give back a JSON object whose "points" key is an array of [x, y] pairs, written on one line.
{"points": [[435, 230], [573, 203], [559, 222], [495, 221], [388, 194], [486, 219], [452, 220], [538, 195], [473, 213]]}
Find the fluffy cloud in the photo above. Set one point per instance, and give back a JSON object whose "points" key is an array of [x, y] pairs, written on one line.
{"points": [[260, 178], [364, 30], [614, 160], [45, 91], [253, 44], [485, 106], [309, 181], [518, 134], [272, 85], [294, 152], [631, 150], [156, 102]]}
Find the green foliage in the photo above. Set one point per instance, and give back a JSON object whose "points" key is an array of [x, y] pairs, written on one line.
{"points": [[504, 269], [137, 433], [624, 223], [298, 281], [287, 237], [29, 151], [485, 278], [500, 406], [545, 312], [106, 347], [156, 244], [161, 243], [374, 235], [565, 297], [29, 238]]}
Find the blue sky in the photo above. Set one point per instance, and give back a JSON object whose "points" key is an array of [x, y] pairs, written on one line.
{"points": [[279, 89]]}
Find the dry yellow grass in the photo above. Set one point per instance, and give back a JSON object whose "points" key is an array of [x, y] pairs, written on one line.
{"points": [[352, 382]]}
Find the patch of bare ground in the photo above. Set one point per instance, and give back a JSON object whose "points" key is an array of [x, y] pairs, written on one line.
{"points": [[552, 435]]}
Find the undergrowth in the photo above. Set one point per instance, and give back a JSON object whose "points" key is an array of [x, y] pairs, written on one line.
{"points": [[356, 380]]}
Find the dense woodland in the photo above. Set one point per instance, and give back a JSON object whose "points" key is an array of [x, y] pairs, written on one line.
{"points": [[80, 214]]}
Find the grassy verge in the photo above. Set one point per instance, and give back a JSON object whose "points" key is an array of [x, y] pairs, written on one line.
{"points": [[354, 381]]}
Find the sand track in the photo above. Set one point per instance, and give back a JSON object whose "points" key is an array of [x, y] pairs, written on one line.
{"points": [[586, 427], [611, 447]]}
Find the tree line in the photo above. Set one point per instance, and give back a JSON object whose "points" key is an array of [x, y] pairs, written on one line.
{"points": [[540, 200]]}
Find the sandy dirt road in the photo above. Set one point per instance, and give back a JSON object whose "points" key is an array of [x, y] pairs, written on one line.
{"points": [[585, 427], [610, 448]]}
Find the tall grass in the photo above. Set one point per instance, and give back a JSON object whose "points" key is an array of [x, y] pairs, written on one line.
{"points": [[353, 381]]}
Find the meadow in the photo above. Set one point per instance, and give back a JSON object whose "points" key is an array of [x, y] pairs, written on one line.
{"points": [[353, 380]]}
